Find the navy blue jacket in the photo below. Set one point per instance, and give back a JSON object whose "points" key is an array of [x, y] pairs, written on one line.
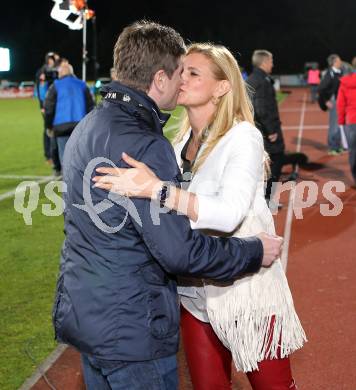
{"points": [[116, 295]]}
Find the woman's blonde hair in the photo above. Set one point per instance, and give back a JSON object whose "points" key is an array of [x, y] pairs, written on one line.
{"points": [[233, 107]]}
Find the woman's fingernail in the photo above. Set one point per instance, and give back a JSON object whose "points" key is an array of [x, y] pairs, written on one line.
{"points": [[95, 178]]}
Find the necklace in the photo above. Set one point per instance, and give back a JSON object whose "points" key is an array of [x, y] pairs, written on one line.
{"points": [[187, 165]]}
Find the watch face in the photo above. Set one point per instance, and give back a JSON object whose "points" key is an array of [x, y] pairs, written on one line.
{"points": [[187, 176]]}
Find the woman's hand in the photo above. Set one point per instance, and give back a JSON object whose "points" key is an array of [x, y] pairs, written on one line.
{"points": [[139, 181]]}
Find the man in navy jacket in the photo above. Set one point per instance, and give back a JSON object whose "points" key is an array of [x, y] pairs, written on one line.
{"points": [[116, 298]]}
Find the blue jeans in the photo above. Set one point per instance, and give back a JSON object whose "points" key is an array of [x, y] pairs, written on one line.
{"points": [[313, 93], [158, 374], [61, 142], [334, 136]]}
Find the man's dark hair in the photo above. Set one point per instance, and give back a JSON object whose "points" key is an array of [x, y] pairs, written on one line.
{"points": [[142, 49]]}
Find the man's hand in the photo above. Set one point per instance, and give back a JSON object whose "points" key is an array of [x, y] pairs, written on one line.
{"points": [[272, 247], [273, 137], [50, 133], [329, 104]]}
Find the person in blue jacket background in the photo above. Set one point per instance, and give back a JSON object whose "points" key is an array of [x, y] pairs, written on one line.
{"points": [[67, 101]]}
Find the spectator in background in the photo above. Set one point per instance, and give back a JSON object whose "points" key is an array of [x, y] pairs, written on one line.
{"points": [[67, 101], [49, 68], [45, 77], [346, 68], [313, 82], [346, 111], [328, 90], [266, 113], [41, 89]]}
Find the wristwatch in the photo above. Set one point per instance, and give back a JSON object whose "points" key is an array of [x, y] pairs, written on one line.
{"points": [[163, 194]]}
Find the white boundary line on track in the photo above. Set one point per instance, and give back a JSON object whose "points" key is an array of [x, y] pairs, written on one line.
{"points": [[289, 218], [298, 110], [11, 193], [19, 177], [306, 127], [301, 125]]}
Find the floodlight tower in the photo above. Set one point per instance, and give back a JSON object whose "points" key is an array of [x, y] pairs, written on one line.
{"points": [[84, 52], [86, 14], [75, 14]]}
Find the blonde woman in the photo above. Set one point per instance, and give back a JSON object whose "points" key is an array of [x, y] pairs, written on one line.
{"points": [[251, 320]]}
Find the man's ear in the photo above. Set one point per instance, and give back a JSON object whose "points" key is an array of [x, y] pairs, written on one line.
{"points": [[157, 87], [223, 88], [159, 80]]}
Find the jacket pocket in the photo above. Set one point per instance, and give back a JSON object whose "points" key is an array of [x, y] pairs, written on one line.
{"points": [[162, 302], [163, 317]]}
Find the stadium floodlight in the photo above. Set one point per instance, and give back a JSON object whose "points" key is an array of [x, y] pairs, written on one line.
{"points": [[65, 11], [4, 59], [71, 13]]}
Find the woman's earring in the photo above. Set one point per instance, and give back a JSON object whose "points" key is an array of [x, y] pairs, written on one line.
{"points": [[215, 100]]}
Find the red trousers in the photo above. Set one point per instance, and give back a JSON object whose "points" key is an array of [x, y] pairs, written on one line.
{"points": [[209, 361]]}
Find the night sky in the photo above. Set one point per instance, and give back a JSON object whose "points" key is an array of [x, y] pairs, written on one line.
{"points": [[294, 31]]}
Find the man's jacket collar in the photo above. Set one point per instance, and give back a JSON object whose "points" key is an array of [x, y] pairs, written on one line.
{"points": [[138, 99]]}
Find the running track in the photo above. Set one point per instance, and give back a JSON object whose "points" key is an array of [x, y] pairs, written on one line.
{"points": [[320, 263]]}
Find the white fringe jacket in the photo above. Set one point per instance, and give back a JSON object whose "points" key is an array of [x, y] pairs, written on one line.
{"points": [[230, 189]]}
